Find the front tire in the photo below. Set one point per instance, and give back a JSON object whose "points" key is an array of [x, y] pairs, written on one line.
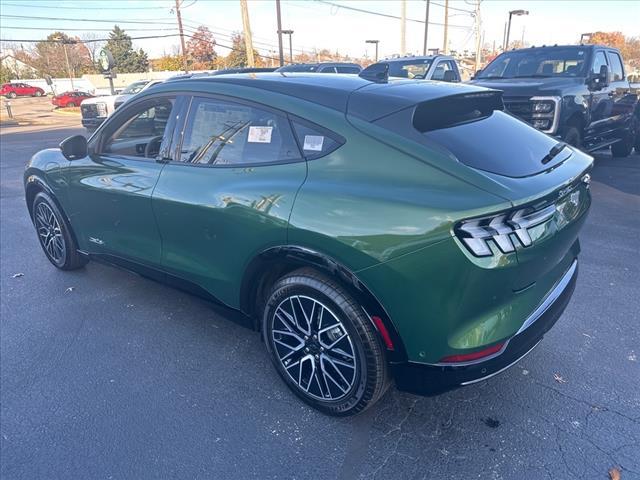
{"points": [[54, 234], [572, 136], [11, 95], [71, 105], [323, 345]]}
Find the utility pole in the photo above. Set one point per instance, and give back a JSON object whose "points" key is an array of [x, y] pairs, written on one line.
{"points": [[478, 37], [248, 42], [445, 46], [279, 33], [185, 66], [426, 29], [66, 57], [403, 28]]}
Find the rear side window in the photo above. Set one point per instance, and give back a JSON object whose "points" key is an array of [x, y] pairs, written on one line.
{"points": [[441, 68], [355, 70], [315, 141], [227, 133], [617, 73]]}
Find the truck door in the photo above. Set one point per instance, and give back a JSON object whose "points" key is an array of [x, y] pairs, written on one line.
{"points": [[600, 107]]}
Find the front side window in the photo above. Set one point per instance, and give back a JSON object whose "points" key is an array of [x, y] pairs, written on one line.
{"points": [[598, 60], [227, 133], [441, 68], [617, 72], [353, 70], [142, 132]]}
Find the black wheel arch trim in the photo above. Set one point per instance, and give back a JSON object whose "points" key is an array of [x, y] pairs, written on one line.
{"points": [[292, 257]]}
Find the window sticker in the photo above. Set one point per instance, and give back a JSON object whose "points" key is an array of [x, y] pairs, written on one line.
{"points": [[313, 143], [260, 134]]}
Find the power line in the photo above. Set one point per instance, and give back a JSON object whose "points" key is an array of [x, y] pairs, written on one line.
{"points": [[154, 21], [380, 14], [90, 29], [83, 7], [92, 40]]}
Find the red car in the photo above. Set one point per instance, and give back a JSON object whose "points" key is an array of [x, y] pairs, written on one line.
{"points": [[12, 90], [70, 99]]}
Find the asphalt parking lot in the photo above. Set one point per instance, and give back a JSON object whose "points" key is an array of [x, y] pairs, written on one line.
{"points": [[107, 375]]}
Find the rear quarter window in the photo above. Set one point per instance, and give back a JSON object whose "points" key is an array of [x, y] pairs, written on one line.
{"points": [[315, 141]]}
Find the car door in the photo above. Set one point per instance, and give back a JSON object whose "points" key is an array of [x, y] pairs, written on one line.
{"points": [[228, 193], [623, 102], [601, 102], [110, 190]]}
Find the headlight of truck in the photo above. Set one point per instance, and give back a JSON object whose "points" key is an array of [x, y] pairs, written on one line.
{"points": [[545, 113], [101, 107]]}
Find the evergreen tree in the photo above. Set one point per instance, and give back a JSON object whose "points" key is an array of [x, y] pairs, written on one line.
{"points": [[126, 59]]}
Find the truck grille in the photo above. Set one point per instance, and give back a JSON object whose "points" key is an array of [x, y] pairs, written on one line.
{"points": [[89, 111], [519, 106]]}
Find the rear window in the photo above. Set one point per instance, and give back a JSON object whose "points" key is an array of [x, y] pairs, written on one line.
{"points": [[498, 143]]}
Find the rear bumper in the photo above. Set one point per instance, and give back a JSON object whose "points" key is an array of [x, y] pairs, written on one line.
{"points": [[424, 379]]}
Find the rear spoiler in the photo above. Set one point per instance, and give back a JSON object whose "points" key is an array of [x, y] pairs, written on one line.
{"points": [[454, 110]]}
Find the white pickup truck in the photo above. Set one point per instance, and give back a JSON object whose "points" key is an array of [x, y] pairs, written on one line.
{"points": [[96, 110]]}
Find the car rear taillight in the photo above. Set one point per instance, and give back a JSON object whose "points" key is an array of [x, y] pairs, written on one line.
{"points": [[469, 357], [504, 230]]}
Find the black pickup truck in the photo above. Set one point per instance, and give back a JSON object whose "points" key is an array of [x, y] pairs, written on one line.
{"points": [[578, 93]]}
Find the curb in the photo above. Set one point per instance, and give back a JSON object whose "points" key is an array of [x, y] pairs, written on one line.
{"points": [[63, 112]]}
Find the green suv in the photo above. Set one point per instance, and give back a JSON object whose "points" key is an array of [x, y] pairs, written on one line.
{"points": [[372, 232]]}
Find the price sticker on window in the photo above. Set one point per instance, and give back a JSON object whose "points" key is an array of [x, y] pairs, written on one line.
{"points": [[313, 143], [260, 134]]}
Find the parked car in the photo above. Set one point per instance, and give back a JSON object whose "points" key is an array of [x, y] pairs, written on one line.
{"points": [[433, 67], [322, 67], [578, 93], [70, 99], [95, 110], [13, 90], [370, 231], [227, 71]]}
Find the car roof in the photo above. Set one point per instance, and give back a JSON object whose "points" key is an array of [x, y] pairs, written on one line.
{"points": [[345, 93], [589, 46], [413, 58]]}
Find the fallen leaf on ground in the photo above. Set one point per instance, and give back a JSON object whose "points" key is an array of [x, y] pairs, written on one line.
{"points": [[614, 474], [16, 275], [558, 378], [70, 289]]}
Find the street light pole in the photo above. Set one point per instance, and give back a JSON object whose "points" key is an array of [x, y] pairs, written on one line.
{"points": [[375, 42], [511, 13], [289, 32]]}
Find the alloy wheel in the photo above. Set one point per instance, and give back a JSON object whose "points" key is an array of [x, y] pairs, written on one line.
{"points": [[50, 233], [314, 348]]}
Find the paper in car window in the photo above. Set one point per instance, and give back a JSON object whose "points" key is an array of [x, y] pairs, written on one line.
{"points": [[260, 134], [313, 143]]}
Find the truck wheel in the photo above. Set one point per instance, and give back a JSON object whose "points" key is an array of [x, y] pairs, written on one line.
{"points": [[624, 147], [572, 136]]}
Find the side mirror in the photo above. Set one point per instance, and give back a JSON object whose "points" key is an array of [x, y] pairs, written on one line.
{"points": [[604, 76], [449, 76], [601, 79], [377, 73], [475, 75], [74, 147]]}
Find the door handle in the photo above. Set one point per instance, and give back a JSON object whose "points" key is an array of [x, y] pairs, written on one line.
{"points": [[612, 94]]}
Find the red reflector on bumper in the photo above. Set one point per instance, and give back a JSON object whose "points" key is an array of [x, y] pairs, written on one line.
{"points": [[468, 357], [386, 338]]}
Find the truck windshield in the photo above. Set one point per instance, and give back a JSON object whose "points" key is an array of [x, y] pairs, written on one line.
{"points": [[538, 63], [409, 69], [134, 88]]}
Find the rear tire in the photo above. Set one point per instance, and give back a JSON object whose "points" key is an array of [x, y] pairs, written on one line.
{"points": [[323, 345], [71, 105], [624, 147], [54, 234], [38, 94], [11, 95]]}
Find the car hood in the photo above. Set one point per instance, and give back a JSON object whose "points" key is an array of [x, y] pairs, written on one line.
{"points": [[528, 86], [108, 99]]}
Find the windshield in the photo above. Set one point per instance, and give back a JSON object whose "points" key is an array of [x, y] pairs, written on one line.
{"points": [[409, 68], [539, 63], [134, 88]]}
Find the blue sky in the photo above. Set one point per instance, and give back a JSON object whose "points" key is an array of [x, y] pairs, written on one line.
{"points": [[319, 25]]}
